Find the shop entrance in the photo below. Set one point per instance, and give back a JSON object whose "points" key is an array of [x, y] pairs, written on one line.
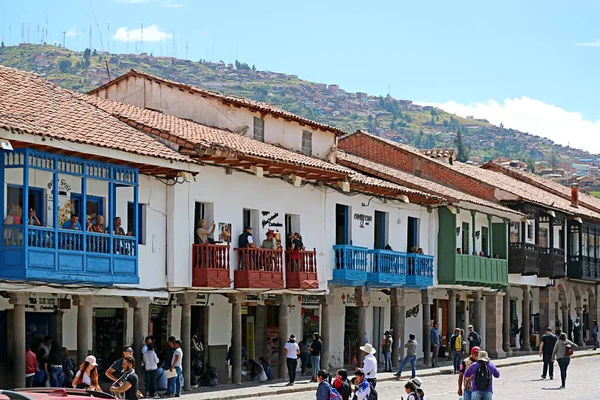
{"points": [[159, 317], [351, 336], [38, 326], [378, 329], [109, 336]]}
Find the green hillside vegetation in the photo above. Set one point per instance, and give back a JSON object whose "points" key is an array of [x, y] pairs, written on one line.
{"points": [[400, 120]]}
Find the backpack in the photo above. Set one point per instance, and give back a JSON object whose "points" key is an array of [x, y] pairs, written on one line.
{"points": [[483, 377], [476, 339], [373, 395], [334, 394]]}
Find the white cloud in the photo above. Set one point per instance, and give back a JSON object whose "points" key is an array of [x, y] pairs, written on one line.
{"points": [[172, 4], [535, 117], [72, 32], [595, 43], [132, 1], [152, 33]]}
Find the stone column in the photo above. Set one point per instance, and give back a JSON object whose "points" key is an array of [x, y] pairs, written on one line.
{"points": [[326, 303], [363, 301], [236, 300], [186, 300], [398, 317], [19, 300], [285, 303], [58, 326], [477, 310], [140, 306], [565, 318], [506, 322], [493, 322], [260, 329], [526, 319], [465, 306], [426, 302], [547, 311], [84, 325], [451, 318], [579, 313]]}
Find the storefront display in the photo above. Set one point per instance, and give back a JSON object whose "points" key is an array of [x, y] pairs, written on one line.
{"points": [[109, 329]]}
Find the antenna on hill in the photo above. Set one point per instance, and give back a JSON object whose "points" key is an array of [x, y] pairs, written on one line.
{"points": [[160, 53], [64, 39], [108, 38], [90, 46], [186, 50], [28, 33], [46, 38], [127, 42], [142, 39], [174, 48], [22, 32]]}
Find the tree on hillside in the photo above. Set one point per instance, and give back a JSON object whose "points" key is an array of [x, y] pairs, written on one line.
{"points": [[86, 57], [531, 165], [65, 65], [462, 152], [554, 158]]}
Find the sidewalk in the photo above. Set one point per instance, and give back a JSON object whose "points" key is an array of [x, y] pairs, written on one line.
{"points": [[277, 387]]}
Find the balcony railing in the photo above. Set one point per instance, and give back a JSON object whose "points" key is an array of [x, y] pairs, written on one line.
{"points": [[259, 269], [210, 266], [419, 271], [301, 269], [584, 267], [350, 265], [523, 259], [552, 263], [388, 268], [473, 271]]}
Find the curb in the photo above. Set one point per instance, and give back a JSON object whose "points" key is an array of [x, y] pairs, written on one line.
{"points": [[442, 371]]}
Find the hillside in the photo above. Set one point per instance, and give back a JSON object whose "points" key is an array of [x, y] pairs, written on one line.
{"points": [[401, 120]]}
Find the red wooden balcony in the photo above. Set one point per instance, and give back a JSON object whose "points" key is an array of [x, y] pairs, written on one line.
{"points": [[259, 269], [301, 269], [210, 266]]}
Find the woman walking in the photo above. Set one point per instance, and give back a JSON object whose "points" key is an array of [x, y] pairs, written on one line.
{"points": [[563, 349]]}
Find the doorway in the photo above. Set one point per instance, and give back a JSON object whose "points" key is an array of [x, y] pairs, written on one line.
{"points": [[292, 225], [380, 230], [341, 224], [352, 337], [14, 196], [202, 211], [378, 329], [109, 336], [412, 234], [159, 324]]}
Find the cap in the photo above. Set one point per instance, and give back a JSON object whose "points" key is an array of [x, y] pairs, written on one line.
{"points": [[91, 360], [475, 350], [246, 227]]}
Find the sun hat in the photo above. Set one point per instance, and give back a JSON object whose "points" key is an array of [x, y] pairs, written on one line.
{"points": [[483, 356], [367, 348], [417, 381], [91, 360]]}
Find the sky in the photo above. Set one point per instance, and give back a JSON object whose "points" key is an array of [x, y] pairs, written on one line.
{"points": [[531, 65]]}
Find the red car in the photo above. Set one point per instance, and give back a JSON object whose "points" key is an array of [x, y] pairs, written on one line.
{"points": [[48, 393]]}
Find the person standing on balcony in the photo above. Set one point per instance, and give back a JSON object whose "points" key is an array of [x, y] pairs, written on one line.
{"points": [[434, 334], [204, 233], [73, 223], [269, 243], [315, 355], [33, 219], [245, 240], [297, 246]]}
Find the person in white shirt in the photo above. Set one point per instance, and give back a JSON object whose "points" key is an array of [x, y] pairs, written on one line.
{"points": [[291, 350], [151, 367], [370, 364], [174, 383]]}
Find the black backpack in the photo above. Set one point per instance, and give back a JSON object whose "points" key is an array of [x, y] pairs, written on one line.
{"points": [[483, 378], [373, 395]]}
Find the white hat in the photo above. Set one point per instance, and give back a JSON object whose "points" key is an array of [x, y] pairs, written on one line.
{"points": [[483, 356], [367, 348], [91, 360]]}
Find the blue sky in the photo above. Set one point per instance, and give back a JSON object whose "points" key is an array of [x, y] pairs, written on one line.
{"points": [[529, 64]]}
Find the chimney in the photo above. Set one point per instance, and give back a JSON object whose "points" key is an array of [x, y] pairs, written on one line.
{"points": [[575, 195]]}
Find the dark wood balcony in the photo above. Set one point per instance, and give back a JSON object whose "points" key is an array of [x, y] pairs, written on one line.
{"points": [[583, 267], [259, 269], [552, 263], [210, 266], [301, 269], [523, 259]]}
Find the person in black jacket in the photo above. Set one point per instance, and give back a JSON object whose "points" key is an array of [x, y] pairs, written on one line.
{"points": [[342, 384], [55, 366]]}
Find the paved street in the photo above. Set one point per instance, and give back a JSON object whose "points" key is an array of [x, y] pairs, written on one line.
{"points": [[515, 383]]}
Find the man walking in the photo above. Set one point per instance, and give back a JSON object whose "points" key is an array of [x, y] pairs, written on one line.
{"points": [[434, 334], [482, 371], [411, 356], [370, 364], [456, 345], [546, 347], [315, 355], [465, 385], [474, 338], [386, 348]]}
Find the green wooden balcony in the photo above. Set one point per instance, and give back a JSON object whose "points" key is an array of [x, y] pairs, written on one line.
{"points": [[469, 270]]}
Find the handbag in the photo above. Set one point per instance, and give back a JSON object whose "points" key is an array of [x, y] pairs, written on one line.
{"points": [[568, 350]]}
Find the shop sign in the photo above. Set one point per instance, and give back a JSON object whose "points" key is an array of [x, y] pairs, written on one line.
{"points": [[244, 309], [310, 300], [413, 312], [43, 303], [253, 298], [363, 219], [164, 301], [202, 299], [250, 337], [349, 299], [156, 311]]}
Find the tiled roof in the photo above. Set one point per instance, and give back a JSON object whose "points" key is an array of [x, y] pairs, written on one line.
{"points": [[584, 199], [219, 139], [415, 182], [438, 153], [32, 105], [229, 99]]}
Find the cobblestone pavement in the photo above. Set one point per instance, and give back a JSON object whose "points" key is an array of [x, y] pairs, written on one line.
{"points": [[515, 383]]}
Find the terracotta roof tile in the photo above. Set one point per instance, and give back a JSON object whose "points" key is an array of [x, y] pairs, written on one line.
{"points": [[416, 182], [30, 104], [230, 99], [224, 140]]}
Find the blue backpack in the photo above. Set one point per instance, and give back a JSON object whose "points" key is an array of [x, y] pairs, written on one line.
{"points": [[334, 394]]}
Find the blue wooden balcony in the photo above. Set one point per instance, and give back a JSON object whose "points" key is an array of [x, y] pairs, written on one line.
{"points": [[419, 271], [388, 268], [36, 246], [350, 265]]}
